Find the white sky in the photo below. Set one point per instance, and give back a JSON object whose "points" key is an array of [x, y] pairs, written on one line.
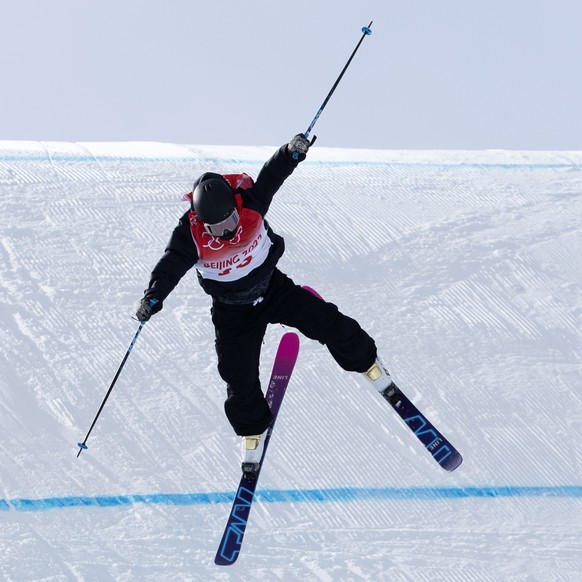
{"points": [[452, 74]]}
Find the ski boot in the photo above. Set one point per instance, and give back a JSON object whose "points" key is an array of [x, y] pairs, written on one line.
{"points": [[252, 448], [380, 378], [378, 375]]}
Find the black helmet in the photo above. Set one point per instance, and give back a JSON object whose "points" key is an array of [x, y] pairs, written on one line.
{"points": [[213, 201]]}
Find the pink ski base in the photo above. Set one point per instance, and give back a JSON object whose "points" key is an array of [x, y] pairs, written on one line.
{"points": [[285, 359]]}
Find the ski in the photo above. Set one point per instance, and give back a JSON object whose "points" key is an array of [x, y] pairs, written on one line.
{"points": [[232, 539], [442, 451]]}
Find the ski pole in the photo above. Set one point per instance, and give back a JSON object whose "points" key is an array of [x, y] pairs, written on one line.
{"points": [[83, 445], [366, 31]]}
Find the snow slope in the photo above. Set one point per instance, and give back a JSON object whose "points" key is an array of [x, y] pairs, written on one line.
{"points": [[465, 266]]}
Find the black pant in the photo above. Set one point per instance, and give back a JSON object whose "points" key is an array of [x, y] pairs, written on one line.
{"points": [[239, 334]]}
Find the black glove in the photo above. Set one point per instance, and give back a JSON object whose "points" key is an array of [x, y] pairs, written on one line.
{"points": [[298, 147], [148, 306]]}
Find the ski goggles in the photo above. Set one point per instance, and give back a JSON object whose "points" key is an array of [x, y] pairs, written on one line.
{"points": [[225, 227]]}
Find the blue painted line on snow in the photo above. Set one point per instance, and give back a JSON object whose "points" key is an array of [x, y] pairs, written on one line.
{"points": [[344, 494], [121, 500], [218, 161]]}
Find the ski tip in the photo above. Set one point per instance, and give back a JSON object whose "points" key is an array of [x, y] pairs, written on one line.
{"points": [[452, 463], [312, 291], [221, 561], [289, 340], [230, 545]]}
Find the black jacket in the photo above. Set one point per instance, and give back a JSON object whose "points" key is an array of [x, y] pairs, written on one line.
{"points": [[181, 254]]}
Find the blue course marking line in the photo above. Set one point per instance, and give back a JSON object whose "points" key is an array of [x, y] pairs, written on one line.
{"points": [[215, 160], [344, 494]]}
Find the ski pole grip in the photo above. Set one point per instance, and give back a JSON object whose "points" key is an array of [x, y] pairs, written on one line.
{"points": [[295, 155]]}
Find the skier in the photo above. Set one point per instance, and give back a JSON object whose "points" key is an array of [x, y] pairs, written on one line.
{"points": [[226, 238]]}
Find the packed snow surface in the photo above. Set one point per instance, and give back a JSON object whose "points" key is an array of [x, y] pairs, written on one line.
{"points": [[466, 267]]}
